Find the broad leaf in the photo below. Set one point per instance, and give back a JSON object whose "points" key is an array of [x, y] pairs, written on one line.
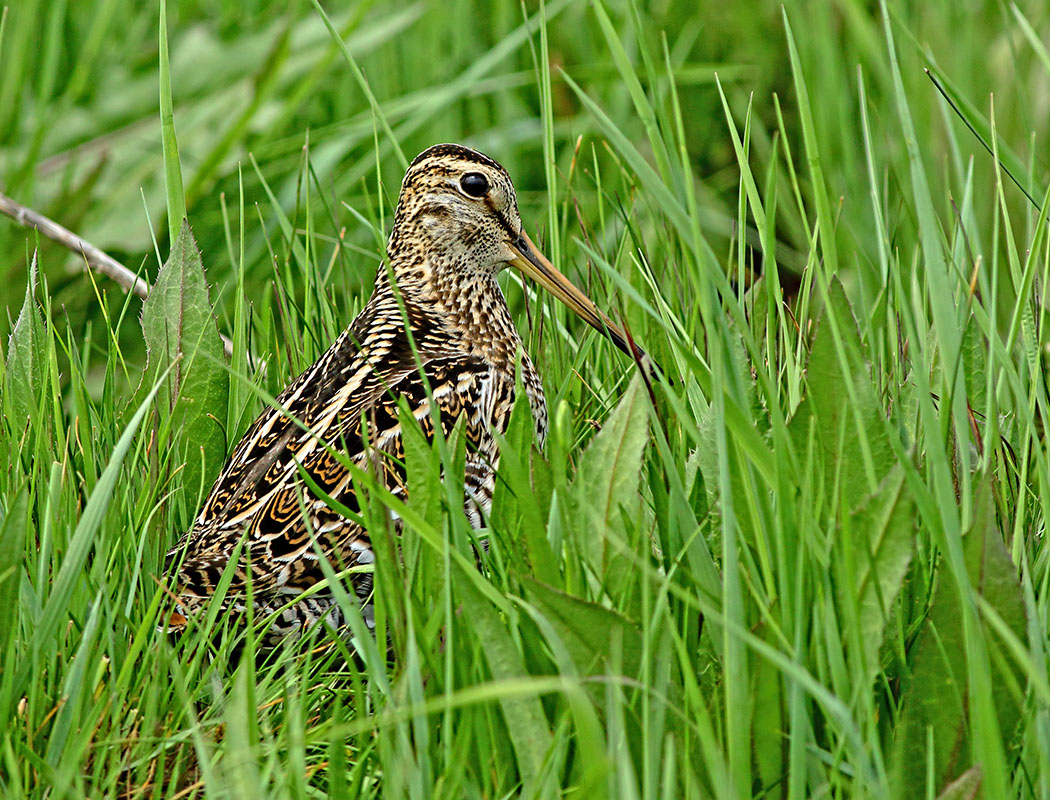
{"points": [[850, 421], [180, 331], [975, 366], [522, 497], [26, 361], [424, 471], [422, 465], [769, 718], [937, 694], [528, 727], [606, 485], [589, 631], [882, 531]]}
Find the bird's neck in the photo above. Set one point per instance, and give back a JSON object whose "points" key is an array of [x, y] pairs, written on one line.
{"points": [[467, 308]]}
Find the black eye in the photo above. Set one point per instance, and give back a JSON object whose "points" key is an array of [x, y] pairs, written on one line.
{"points": [[474, 184]]}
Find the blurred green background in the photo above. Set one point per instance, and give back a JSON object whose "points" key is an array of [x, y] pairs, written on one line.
{"points": [[254, 82]]}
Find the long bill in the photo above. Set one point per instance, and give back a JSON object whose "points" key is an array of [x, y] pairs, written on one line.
{"points": [[532, 262]]}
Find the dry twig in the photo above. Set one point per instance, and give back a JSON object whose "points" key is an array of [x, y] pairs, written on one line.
{"points": [[95, 259]]}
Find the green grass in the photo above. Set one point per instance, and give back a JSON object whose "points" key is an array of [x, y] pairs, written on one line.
{"points": [[815, 566]]}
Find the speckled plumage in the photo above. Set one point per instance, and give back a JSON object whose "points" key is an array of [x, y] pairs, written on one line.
{"points": [[444, 252]]}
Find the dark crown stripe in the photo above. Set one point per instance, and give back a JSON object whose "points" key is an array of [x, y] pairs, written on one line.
{"points": [[457, 151]]}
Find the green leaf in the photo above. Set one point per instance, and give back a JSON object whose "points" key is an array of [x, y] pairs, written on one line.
{"points": [[706, 455], [882, 533], [975, 366], [606, 485], [936, 696], [242, 740], [84, 538], [528, 728], [850, 422], [26, 360], [810, 139], [180, 332], [589, 631], [648, 177], [522, 495], [422, 465], [13, 528], [629, 77], [769, 717], [74, 688], [172, 167], [994, 576]]}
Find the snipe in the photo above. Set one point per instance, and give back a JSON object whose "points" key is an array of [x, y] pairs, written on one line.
{"points": [[456, 226]]}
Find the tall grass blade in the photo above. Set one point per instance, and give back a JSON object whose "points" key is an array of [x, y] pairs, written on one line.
{"points": [[172, 165]]}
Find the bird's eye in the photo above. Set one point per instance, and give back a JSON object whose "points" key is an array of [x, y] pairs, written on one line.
{"points": [[474, 184]]}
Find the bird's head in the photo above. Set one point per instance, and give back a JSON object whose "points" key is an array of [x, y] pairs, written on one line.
{"points": [[462, 205]]}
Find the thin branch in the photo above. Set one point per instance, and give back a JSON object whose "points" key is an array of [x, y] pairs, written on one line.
{"points": [[94, 258]]}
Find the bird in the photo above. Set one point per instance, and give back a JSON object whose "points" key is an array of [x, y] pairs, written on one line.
{"points": [[436, 331]]}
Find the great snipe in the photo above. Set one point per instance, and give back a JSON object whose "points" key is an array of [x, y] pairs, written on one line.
{"points": [[456, 226]]}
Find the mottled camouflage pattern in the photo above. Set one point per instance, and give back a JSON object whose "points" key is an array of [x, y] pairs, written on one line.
{"points": [[444, 253]]}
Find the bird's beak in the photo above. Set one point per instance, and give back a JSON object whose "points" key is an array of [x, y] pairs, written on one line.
{"points": [[530, 261]]}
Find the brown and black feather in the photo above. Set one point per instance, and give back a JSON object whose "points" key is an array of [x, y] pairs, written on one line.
{"points": [[436, 314]]}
